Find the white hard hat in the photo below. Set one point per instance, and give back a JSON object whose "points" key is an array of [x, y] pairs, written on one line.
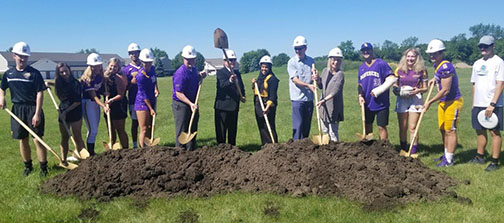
{"points": [[336, 52], [299, 41], [146, 55], [435, 45], [230, 53], [265, 59], [21, 48], [94, 59], [188, 52], [133, 47]]}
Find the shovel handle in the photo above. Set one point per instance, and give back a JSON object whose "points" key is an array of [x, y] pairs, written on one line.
{"points": [[232, 73], [194, 112], [62, 121], [265, 115], [420, 120], [153, 124]]}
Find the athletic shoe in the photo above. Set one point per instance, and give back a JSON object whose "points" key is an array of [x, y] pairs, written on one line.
{"points": [[491, 167], [444, 163], [477, 160], [27, 171], [438, 159], [72, 159]]}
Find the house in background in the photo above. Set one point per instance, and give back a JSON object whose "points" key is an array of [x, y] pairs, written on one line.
{"points": [[214, 64], [46, 62], [167, 67]]}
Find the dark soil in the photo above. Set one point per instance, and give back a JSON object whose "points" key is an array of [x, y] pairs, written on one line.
{"points": [[371, 173]]}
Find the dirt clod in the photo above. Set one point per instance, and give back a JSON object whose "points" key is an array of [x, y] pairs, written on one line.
{"points": [[371, 173]]}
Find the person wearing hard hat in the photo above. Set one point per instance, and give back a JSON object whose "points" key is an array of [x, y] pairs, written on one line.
{"points": [[27, 91], [267, 84], [301, 89], [411, 84], [115, 84], [449, 97], [185, 88], [91, 82], [131, 70], [145, 101], [488, 80], [374, 80], [331, 101], [227, 100]]}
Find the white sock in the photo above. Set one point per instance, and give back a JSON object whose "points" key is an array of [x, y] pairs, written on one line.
{"points": [[135, 145], [445, 150], [449, 157]]}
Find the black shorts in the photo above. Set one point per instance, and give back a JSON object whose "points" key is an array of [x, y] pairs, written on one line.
{"points": [[381, 116], [474, 118], [25, 113], [73, 115], [118, 110]]}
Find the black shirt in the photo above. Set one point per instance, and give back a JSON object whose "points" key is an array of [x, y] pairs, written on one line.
{"points": [[24, 85], [68, 92]]}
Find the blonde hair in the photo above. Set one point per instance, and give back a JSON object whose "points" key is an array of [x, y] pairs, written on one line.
{"points": [[329, 63], [111, 61], [87, 76], [419, 65]]}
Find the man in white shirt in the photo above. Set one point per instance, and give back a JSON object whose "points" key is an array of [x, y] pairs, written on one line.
{"points": [[488, 81]]}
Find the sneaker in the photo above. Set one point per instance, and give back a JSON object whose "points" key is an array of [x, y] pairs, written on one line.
{"points": [[414, 149], [491, 167], [43, 172], [477, 160], [27, 171], [72, 159], [444, 163], [438, 159]]}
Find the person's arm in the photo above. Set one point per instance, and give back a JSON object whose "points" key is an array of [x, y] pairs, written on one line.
{"points": [[497, 94], [222, 80], [38, 108], [92, 94], [293, 75], [445, 89], [272, 95], [181, 96], [3, 104], [147, 102], [121, 90]]}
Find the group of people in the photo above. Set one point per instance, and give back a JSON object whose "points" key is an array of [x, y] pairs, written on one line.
{"points": [[134, 87]]}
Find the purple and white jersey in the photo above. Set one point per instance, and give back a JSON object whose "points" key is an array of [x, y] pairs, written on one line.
{"points": [[94, 85], [371, 76], [411, 78], [146, 82], [131, 71], [444, 70]]}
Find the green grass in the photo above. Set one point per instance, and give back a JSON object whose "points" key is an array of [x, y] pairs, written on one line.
{"points": [[21, 200]]}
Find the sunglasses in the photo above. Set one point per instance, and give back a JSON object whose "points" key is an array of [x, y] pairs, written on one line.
{"points": [[484, 46], [299, 48]]}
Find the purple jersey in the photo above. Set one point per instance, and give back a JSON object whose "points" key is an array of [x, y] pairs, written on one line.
{"points": [[371, 76], [146, 82], [411, 78], [186, 81], [444, 70], [94, 85], [131, 71]]}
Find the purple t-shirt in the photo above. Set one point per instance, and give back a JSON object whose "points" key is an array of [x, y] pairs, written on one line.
{"points": [[444, 70], [186, 81], [371, 76], [146, 82], [131, 71], [94, 85], [411, 78]]}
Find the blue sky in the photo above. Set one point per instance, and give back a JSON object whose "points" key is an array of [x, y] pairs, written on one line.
{"points": [[109, 26]]}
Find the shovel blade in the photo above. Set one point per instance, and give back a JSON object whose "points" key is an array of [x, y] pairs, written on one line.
{"points": [[77, 155], [185, 138], [320, 140], [116, 146], [403, 153], [369, 136], [84, 154], [155, 142], [220, 39], [106, 146], [70, 166]]}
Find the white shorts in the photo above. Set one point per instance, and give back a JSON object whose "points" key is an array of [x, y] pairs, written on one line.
{"points": [[132, 112], [409, 104]]}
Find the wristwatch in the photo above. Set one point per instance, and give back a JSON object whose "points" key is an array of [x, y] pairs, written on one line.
{"points": [[492, 104]]}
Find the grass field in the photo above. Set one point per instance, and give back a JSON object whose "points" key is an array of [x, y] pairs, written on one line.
{"points": [[21, 200]]}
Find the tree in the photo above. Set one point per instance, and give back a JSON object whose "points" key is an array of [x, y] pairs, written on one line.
{"points": [[280, 59], [409, 43], [348, 50], [159, 67], [179, 60], [480, 30], [88, 51], [10, 49], [250, 60], [460, 48], [158, 53], [390, 51]]}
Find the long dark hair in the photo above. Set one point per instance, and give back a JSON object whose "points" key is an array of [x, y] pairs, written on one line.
{"points": [[59, 83]]}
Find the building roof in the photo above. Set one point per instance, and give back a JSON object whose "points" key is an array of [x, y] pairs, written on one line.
{"points": [[219, 62], [72, 59]]}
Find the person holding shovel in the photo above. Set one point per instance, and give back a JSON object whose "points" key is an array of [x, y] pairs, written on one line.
{"points": [[267, 84], [186, 81], [409, 88], [488, 80], [227, 100], [301, 89], [331, 101], [449, 97], [68, 90], [91, 82], [374, 80], [145, 101], [27, 92], [131, 70], [115, 85]]}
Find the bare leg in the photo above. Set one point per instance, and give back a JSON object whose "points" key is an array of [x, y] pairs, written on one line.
{"points": [[451, 140], [142, 123], [383, 132], [76, 132], [496, 143], [24, 149], [403, 125], [412, 123], [482, 141], [119, 126], [63, 142], [41, 151]]}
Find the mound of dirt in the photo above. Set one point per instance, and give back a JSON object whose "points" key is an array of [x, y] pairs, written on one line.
{"points": [[368, 172]]}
